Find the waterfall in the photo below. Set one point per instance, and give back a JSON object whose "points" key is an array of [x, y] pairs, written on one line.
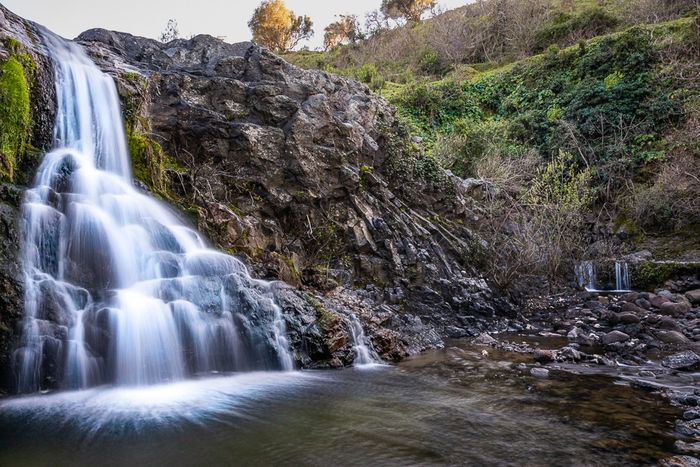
{"points": [[360, 343], [586, 275], [118, 289], [622, 277]]}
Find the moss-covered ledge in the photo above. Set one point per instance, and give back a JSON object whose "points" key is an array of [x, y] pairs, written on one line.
{"points": [[17, 72]]}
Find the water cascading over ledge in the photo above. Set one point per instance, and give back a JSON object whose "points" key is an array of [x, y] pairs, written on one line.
{"points": [[118, 290]]}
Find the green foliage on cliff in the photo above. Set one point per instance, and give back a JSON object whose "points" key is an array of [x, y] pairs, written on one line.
{"points": [[608, 101], [15, 112]]}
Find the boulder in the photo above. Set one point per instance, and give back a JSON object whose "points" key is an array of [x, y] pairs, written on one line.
{"points": [[484, 339], [674, 309], [628, 318], [671, 337], [669, 324], [539, 372], [693, 296], [614, 336], [658, 300], [544, 356], [686, 361]]}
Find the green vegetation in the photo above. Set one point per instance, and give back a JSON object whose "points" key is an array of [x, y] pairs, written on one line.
{"points": [[16, 75], [650, 276]]}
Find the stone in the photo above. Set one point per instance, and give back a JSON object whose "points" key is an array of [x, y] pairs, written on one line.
{"points": [[669, 324], [627, 306], [569, 353], [544, 356], [674, 309], [614, 337], [691, 414], [628, 318], [658, 300], [671, 337], [539, 372], [680, 461], [688, 448], [484, 339], [693, 296], [686, 361]]}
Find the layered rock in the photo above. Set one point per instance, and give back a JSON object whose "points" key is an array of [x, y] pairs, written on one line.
{"points": [[307, 174]]}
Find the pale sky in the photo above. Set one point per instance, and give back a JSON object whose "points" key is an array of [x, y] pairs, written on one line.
{"points": [[148, 18]]}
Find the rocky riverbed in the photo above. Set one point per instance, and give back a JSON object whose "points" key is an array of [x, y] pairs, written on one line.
{"points": [[649, 339]]}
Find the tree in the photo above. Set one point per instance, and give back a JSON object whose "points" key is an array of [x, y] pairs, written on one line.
{"points": [[410, 10], [276, 27], [347, 28], [170, 32]]}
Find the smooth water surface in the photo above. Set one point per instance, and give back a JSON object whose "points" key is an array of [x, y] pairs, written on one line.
{"points": [[448, 407]]}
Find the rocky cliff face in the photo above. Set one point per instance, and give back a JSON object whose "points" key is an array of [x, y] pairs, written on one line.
{"points": [[27, 109], [306, 175]]}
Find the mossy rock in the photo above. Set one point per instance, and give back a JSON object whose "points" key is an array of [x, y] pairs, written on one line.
{"points": [[653, 275], [15, 115]]}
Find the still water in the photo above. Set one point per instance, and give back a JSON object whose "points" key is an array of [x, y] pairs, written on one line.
{"points": [[454, 406]]}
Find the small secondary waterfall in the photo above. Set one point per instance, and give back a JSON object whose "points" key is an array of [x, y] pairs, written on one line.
{"points": [[586, 277], [360, 343], [622, 276], [118, 290]]}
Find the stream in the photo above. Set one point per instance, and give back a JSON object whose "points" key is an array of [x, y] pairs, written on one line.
{"points": [[453, 406]]}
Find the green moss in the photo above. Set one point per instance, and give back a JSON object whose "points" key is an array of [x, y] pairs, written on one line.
{"points": [[650, 276], [15, 113], [149, 161], [326, 318]]}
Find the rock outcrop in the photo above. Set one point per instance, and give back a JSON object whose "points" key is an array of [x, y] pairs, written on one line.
{"points": [[25, 72], [307, 174]]}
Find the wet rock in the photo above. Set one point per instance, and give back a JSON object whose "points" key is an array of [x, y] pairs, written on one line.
{"points": [[614, 337], [628, 318], [688, 448], [687, 361], [539, 372], [691, 414], [627, 306], [544, 356], [693, 296], [674, 309], [680, 461], [484, 339], [658, 300], [671, 337], [669, 324], [569, 353], [688, 428]]}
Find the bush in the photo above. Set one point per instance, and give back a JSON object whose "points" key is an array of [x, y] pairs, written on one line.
{"points": [[461, 150], [566, 29]]}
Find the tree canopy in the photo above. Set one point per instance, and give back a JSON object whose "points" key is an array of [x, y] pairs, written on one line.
{"points": [[410, 10], [277, 27], [346, 28]]}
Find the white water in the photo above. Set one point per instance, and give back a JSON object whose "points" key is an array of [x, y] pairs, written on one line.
{"points": [[118, 289], [364, 355], [586, 277]]}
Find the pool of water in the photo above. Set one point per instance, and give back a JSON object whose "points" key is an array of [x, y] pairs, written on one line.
{"points": [[455, 406]]}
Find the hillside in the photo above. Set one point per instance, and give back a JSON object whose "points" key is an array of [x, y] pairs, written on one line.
{"points": [[580, 136]]}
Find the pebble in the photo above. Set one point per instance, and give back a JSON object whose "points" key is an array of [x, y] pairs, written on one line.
{"points": [[539, 372]]}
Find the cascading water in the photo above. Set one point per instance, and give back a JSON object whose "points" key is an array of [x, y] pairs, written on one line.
{"points": [[118, 290], [364, 354], [586, 275], [622, 276]]}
